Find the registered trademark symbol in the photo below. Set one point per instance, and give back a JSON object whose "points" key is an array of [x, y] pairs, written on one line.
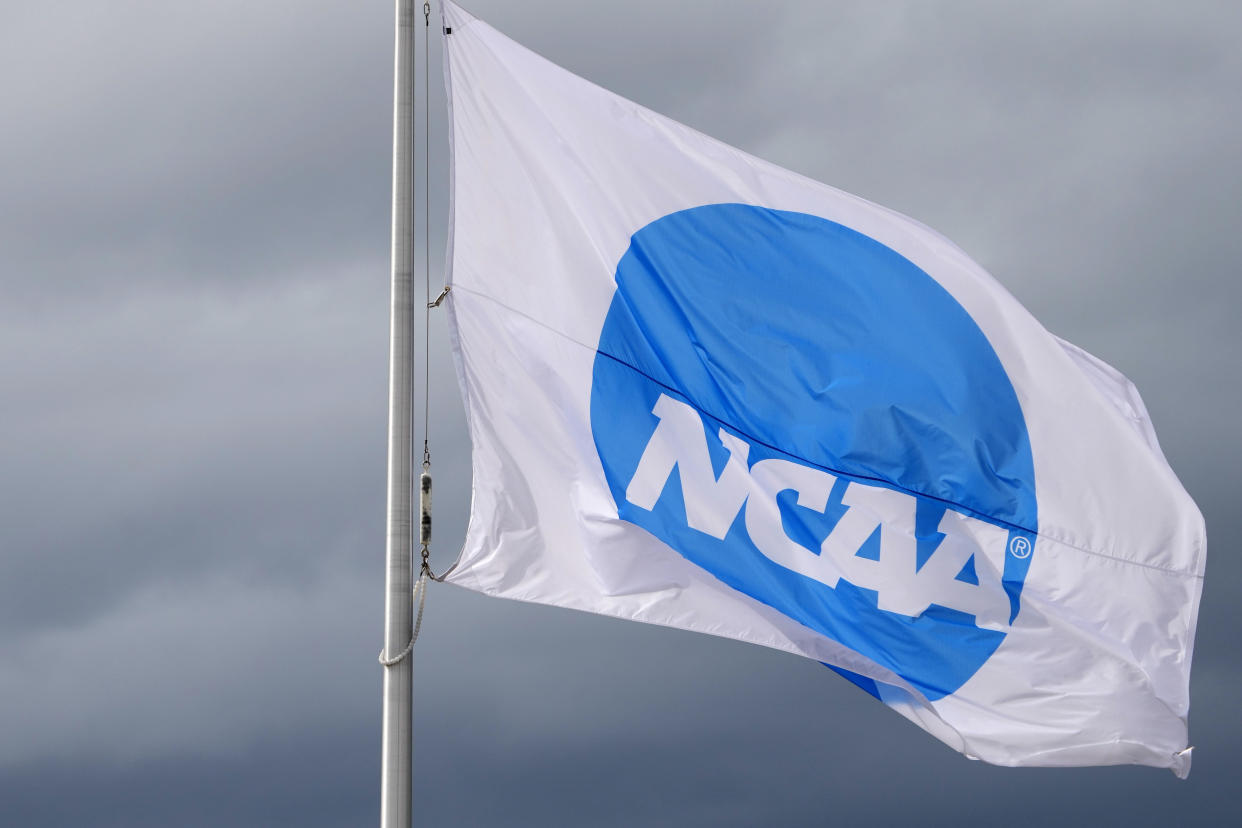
{"points": [[1020, 547]]}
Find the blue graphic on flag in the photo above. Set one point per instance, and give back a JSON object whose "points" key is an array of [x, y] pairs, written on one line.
{"points": [[811, 418]]}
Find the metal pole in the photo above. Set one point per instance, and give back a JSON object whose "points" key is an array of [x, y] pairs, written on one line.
{"points": [[395, 772]]}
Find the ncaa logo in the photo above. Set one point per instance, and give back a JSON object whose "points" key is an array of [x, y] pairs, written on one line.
{"points": [[811, 418]]}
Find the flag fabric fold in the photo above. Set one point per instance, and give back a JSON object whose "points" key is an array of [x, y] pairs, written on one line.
{"points": [[709, 393]]}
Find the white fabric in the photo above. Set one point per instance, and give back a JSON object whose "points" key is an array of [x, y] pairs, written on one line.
{"points": [[551, 177]]}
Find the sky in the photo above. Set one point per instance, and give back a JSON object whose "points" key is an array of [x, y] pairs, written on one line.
{"points": [[194, 238]]}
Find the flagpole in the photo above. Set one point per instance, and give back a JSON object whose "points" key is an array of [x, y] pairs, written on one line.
{"points": [[395, 771]]}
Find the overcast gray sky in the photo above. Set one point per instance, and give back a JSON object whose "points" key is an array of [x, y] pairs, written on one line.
{"points": [[194, 231]]}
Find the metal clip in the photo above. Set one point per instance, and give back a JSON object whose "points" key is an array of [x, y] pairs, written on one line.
{"points": [[440, 298]]}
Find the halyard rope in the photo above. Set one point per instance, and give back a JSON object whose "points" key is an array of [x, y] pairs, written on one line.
{"points": [[420, 595], [420, 585]]}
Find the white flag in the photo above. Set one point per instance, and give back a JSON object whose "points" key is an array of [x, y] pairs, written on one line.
{"points": [[709, 393]]}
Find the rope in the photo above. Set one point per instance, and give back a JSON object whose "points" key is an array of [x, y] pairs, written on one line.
{"points": [[425, 573], [420, 595], [429, 304], [447, 572]]}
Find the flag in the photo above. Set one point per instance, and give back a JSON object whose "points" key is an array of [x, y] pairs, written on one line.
{"points": [[709, 393]]}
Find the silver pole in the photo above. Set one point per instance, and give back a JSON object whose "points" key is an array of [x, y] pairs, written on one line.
{"points": [[395, 772]]}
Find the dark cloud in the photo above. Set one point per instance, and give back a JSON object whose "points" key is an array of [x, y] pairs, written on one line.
{"points": [[193, 322]]}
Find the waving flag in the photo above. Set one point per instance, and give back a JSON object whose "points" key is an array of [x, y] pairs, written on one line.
{"points": [[709, 393]]}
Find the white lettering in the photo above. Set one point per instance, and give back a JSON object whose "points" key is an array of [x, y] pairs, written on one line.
{"points": [[713, 503], [763, 517], [679, 440]]}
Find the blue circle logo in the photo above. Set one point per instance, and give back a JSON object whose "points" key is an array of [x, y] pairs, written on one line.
{"points": [[811, 418]]}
